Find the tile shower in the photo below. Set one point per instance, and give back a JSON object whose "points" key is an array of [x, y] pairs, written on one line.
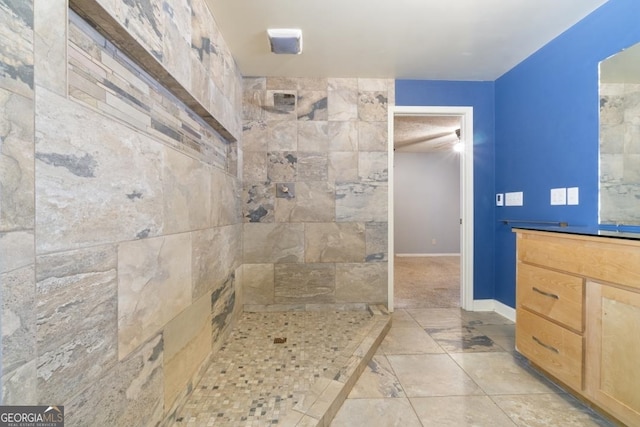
{"points": [[135, 234], [315, 191]]}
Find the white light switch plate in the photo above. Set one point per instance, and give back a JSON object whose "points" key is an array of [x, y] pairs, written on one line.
{"points": [[499, 199], [558, 196], [573, 196], [514, 199]]}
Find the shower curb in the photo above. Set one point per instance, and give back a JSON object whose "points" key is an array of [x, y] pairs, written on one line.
{"points": [[321, 403]]}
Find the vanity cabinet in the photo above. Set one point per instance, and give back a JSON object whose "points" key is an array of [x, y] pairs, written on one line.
{"points": [[578, 315]]}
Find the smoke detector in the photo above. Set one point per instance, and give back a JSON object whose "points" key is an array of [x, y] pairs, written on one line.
{"points": [[285, 40]]}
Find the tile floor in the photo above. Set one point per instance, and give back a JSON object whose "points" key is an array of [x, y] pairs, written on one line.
{"points": [[256, 382], [447, 367]]}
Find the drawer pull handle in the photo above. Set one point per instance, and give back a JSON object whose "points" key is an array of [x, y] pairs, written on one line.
{"points": [[547, 346], [546, 294]]}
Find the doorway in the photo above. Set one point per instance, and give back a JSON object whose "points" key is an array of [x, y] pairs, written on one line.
{"points": [[465, 135], [427, 211]]}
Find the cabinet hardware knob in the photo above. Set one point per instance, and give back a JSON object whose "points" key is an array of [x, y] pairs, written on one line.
{"points": [[547, 346], [546, 294]]}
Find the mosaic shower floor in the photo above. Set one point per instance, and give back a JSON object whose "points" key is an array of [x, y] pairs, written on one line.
{"points": [[254, 381]]}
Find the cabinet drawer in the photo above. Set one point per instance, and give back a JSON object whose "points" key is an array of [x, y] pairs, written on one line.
{"points": [[610, 260], [555, 295], [554, 348]]}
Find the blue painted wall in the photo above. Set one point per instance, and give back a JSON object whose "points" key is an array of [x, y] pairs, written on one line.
{"points": [[545, 112], [547, 127], [480, 96]]}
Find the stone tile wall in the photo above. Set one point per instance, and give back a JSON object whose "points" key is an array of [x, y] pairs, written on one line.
{"points": [[17, 209], [619, 153], [120, 246], [315, 191]]}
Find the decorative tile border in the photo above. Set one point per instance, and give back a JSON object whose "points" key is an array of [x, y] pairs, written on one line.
{"points": [[103, 77], [139, 36]]}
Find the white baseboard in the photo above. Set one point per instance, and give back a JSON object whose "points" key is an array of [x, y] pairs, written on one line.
{"points": [[484, 305], [496, 306], [505, 311], [424, 255]]}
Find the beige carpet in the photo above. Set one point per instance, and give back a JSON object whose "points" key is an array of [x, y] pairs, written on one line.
{"points": [[427, 282]]}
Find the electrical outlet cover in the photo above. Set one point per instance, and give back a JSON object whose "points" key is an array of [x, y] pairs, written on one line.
{"points": [[514, 199], [573, 196], [558, 196]]}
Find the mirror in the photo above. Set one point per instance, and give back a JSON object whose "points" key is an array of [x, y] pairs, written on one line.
{"points": [[620, 138]]}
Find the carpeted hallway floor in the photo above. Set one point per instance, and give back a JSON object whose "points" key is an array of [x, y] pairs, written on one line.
{"points": [[427, 282]]}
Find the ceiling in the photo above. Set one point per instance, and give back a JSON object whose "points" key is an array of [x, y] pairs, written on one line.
{"points": [[623, 67], [405, 39], [422, 134]]}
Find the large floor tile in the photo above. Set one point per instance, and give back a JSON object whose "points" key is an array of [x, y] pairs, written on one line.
{"points": [[376, 413], [508, 343], [503, 335], [548, 410], [437, 317], [460, 411], [463, 339], [502, 373], [377, 381], [409, 341], [484, 318], [432, 375], [402, 319], [497, 330]]}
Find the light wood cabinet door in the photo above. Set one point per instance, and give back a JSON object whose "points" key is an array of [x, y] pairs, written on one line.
{"points": [[613, 350]]}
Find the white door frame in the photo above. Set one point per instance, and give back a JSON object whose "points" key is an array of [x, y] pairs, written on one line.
{"points": [[466, 175]]}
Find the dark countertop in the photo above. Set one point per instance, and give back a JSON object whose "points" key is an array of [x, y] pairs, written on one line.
{"points": [[582, 230]]}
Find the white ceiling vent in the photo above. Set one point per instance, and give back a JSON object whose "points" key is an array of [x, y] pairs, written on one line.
{"points": [[285, 40]]}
